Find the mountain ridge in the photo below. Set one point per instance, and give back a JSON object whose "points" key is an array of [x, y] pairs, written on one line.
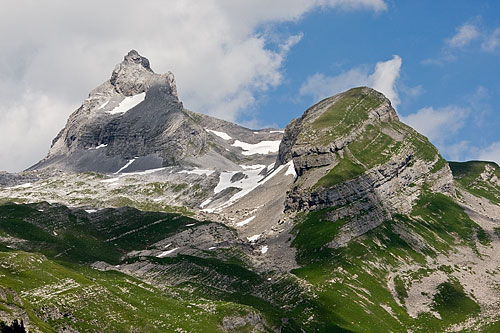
{"points": [[348, 221]]}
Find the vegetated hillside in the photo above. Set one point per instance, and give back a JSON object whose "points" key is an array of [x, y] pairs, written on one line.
{"points": [[46, 278], [479, 178], [360, 225]]}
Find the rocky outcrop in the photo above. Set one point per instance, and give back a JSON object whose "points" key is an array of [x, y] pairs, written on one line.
{"points": [[134, 76], [301, 143], [329, 146]]}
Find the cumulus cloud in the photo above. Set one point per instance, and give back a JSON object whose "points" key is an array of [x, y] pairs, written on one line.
{"points": [[383, 79], [437, 124], [385, 76], [465, 34], [57, 51]]}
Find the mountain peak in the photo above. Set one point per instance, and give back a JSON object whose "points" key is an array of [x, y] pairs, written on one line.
{"points": [[133, 57], [134, 76]]}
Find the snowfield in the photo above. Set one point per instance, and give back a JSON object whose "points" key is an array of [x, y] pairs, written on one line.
{"points": [[263, 147], [253, 180], [128, 103], [222, 135]]}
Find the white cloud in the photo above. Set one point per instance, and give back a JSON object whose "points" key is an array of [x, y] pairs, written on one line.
{"points": [[490, 153], [437, 124], [26, 128], [383, 79], [59, 52], [465, 37], [385, 76], [492, 42], [466, 33]]}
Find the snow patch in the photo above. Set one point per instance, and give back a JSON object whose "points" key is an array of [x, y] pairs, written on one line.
{"points": [[102, 145], [253, 238], [190, 224], [264, 249], [280, 131], [205, 203], [212, 247], [242, 223], [126, 165], [166, 253], [253, 167], [198, 172], [145, 172], [247, 185], [222, 135], [25, 185], [263, 147], [111, 180], [291, 169], [90, 211], [103, 105], [128, 103]]}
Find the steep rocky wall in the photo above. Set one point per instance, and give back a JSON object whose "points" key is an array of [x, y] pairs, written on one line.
{"points": [[329, 155]]}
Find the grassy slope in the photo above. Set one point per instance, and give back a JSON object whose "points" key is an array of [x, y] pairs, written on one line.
{"points": [[467, 174], [373, 147], [61, 243], [350, 282], [90, 300]]}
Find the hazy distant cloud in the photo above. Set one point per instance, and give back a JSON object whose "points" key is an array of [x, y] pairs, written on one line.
{"points": [[27, 127], [412, 91], [458, 151], [377, 5], [466, 33], [492, 41], [437, 124], [490, 153], [57, 53], [383, 79], [444, 126]]}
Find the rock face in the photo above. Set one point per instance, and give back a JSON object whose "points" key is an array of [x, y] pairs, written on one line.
{"points": [[134, 76], [353, 156], [136, 116]]}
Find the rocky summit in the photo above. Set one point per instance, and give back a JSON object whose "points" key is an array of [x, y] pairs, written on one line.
{"points": [[148, 217], [136, 115]]}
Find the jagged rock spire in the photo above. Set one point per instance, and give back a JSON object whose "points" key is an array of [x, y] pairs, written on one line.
{"points": [[134, 75]]}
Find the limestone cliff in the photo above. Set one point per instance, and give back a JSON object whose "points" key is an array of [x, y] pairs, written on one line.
{"points": [[352, 153]]}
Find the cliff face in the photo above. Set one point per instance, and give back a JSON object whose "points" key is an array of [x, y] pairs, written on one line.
{"points": [[351, 151]]}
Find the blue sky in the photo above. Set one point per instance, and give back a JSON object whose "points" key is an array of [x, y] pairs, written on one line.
{"points": [[456, 81], [257, 62]]}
